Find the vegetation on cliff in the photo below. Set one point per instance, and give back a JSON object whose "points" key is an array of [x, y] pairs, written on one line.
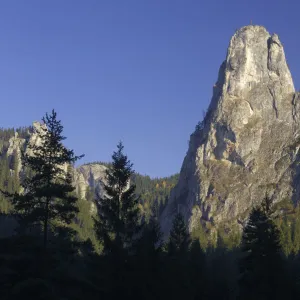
{"points": [[119, 252]]}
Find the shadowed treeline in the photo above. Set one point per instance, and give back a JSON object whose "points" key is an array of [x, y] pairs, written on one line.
{"points": [[43, 256]]}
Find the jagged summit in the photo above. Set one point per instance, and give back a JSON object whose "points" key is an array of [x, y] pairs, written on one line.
{"points": [[247, 146], [253, 57]]}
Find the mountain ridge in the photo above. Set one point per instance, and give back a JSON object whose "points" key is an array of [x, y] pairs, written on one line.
{"points": [[88, 178]]}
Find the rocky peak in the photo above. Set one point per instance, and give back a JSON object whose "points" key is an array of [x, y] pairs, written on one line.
{"points": [[15, 145], [247, 146], [255, 57], [90, 175]]}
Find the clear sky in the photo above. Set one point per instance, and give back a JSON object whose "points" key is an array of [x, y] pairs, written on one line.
{"points": [[140, 71]]}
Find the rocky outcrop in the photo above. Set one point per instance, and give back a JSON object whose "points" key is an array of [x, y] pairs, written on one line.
{"points": [[17, 143], [90, 176], [14, 149], [248, 142], [93, 177]]}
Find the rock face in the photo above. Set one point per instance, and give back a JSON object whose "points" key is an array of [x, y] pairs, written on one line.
{"points": [[14, 148], [86, 176], [16, 143], [91, 176], [248, 142]]}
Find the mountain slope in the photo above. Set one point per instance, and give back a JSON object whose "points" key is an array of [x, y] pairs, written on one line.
{"points": [[88, 179]]}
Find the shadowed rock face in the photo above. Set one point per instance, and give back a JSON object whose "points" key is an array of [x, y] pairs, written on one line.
{"points": [[249, 142]]}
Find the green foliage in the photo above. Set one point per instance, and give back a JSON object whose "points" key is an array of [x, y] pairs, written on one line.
{"points": [[286, 241], [151, 241], [74, 265], [296, 232], [197, 269], [28, 269], [154, 193], [229, 239], [47, 194], [199, 126], [199, 234], [148, 262], [179, 240], [98, 162], [261, 266], [118, 210], [84, 224]]}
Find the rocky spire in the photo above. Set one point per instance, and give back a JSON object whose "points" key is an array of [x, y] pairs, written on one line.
{"points": [[248, 144]]}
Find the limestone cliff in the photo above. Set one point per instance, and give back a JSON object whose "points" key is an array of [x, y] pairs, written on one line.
{"points": [[17, 143], [86, 176], [91, 176], [248, 142]]}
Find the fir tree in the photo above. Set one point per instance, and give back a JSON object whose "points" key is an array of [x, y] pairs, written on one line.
{"points": [[197, 268], [148, 262], [261, 266], [179, 240], [117, 225], [178, 277], [47, 195], [151, 241]]}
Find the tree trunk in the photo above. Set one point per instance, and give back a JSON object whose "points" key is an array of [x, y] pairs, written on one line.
{"points": [[46, 225]]}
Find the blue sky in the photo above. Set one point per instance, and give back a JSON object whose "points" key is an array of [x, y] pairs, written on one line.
{"points": [[140, 71]]}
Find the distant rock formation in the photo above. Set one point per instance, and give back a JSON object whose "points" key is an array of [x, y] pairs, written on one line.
{"points": [[90, 176], [248, 143], [93, 177]]}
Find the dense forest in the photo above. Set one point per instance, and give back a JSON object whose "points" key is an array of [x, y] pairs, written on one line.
{"points": [[154, 193], [52, 247]]}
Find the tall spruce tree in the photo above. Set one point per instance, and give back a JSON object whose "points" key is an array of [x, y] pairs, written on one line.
{"points": [[197, 270], [179, 240], [261, 267], [117, 225], [148, 262], [178, 281], [48, 193]]}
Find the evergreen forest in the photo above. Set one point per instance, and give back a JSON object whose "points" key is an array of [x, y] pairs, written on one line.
{"points": [[53, 247]]}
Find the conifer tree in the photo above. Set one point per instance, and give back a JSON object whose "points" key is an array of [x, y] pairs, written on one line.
{"points": [[150, 244], [117, 225], [178, 281], [179, 240], [197, 268], [261, 266], [148, 263], [48, 194]]}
